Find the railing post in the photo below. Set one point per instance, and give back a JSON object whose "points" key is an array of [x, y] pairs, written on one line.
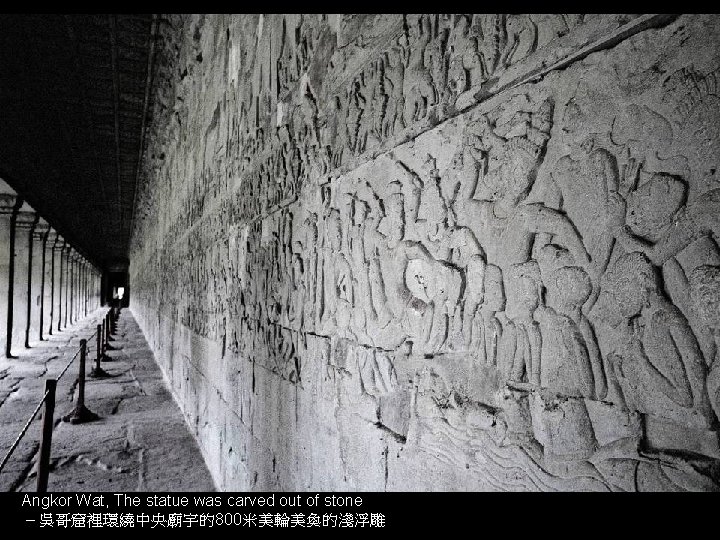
{"points": [[81, 413], [46, 440], [97, 371], [108, 326]]}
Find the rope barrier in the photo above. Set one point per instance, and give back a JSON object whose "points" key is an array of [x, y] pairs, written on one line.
{"points": [[75, 356], [68, 365], [24, 430]]}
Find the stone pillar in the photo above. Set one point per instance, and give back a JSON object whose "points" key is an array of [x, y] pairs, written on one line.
{"points": [[37, 273], [76, 306], [87, 288], [65, 285], [78, 287], [96, 289], [46, 313], [83, 288], [69, 263], [82, 306], [72, 274], [58, 251], [25, 220], [8, 198], [91, 289]]}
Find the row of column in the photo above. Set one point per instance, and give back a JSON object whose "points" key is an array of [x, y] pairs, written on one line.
{"points": [[45, 284]]}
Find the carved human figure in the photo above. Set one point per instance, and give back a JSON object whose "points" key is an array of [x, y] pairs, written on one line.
{"points": [[368, 218], [308, 250], [434, 62], [496, 175], [296, 299], [421, 291], [419, 92], [705, 294], [656, 360], [688, 224], [354, 123], [474, 285], [438, 285], [521, 34], [379, 100], [577, 179], [286, 65], [500, 172], [465, 67], [431, 220], [523, 297], [337, 300], [482, 327], [386, 271], [364, 315], [571, 363], [654, 219]]}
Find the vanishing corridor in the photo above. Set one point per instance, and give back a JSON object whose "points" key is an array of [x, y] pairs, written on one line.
{"points": [[139, 443]]}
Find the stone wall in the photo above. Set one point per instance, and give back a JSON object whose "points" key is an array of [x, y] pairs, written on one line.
{"points": [[437, 252]]}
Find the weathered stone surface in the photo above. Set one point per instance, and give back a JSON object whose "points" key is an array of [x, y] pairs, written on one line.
{"points": [[411, 252]]}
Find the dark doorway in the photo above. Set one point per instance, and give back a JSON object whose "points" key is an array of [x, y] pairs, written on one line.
{"points": [[118, 291]]}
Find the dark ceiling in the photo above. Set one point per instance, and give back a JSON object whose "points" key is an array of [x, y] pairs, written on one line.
{"points": [[73, 109]]}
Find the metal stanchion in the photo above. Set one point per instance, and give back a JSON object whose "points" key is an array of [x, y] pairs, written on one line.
{"points": [[46, 441], [97, 371], [81, 413], [108, 323]]}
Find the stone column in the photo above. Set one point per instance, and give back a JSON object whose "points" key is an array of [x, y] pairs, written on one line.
{"points": [[8, 198], [83, 289], [87, 287], [72, 289], [79, 310], [96, 289], [25, 220], [65, 285], [82, 306], [58, 255], [81, 303], [37, 273], [46, 312], [78, 289], [74, 298], [91, 289]]}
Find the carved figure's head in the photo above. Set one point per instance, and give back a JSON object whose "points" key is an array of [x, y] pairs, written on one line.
{"points": [[631, 282]]}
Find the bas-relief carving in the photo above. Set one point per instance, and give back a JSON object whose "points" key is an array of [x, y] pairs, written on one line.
{"points": [[286, 119], [534, 282]]}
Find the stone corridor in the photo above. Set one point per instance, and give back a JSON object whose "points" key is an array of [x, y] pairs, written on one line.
{"points": [[140, 442], [366, 252]]}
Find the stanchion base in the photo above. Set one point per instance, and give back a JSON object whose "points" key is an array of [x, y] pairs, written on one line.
{"points": [[80, 415], [98, 373]]}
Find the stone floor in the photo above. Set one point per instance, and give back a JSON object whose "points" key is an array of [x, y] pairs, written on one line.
{"points": [[140, 442]]}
